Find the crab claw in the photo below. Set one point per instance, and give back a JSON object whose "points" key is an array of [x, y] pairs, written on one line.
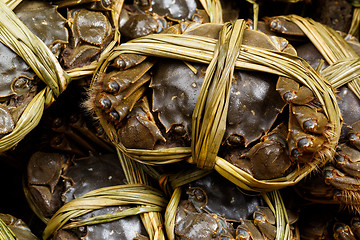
{"points": [[139, 129], [127, 60], [291, 92], [300, 143], [269, 158], [348, 160], [116, 92], [340, 180], [310, 119], [247, 231], [282, 25], [264, 219]]}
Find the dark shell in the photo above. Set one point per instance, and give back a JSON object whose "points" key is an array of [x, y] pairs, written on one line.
{"points": [[6, 121], [12, 67], [349, 105], [18, 227], [96, 172], [85, 175], [43, 20], [253, 100], [310, 54], [225, 199], [138, 25], [177, 9], [92, 27], [213, 206]]}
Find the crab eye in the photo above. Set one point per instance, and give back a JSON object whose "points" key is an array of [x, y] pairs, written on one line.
{"points": [[242, 234], [106, 3], [74, 118], [340, 227], [57, 140], [309, 125], [274, 24], [180, 130], [235, 140], [199, 195], [57, 123], [259, 218], [355, 222], [100, 130], [120, 63]]}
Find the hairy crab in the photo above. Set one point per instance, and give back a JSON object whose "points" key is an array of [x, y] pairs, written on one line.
{"points": [[91, 31], [342, 174], [120, 97], [17, 226], [202, 217], [54, 179], [19, 83]]}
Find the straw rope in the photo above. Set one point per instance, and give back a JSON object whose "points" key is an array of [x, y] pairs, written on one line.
{"points": [[209, 127], [104, 197], [15, 35], [344, 62]]}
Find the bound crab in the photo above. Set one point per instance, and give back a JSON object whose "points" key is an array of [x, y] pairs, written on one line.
{"points": [[342, 175], [54, 179], [18, 87], [154, 111], [201, 216]]}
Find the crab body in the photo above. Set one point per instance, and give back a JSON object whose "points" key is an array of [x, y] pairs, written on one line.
{"points": [[54, 180], [255, 105], [238, 216]]}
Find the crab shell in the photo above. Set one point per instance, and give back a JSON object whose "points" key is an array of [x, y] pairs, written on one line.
{"points": [[18, 82], [254, 102], [212, 204], [17, 226], [91, 32], [45, 22]]}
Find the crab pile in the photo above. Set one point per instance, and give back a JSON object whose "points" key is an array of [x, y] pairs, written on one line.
{"points": [[184, 120]]}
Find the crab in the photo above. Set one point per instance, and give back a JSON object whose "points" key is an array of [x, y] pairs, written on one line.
{"points": [[54, 179], [19, 83], [91, 31], [256, 103], [136, 23], [202, 217], [17, 226], [342, 175]]}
